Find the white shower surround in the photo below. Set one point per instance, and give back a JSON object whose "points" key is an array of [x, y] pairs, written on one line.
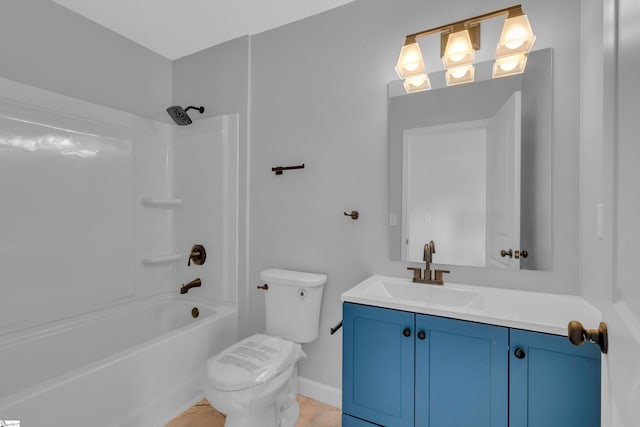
{"points": [[125, 255]]}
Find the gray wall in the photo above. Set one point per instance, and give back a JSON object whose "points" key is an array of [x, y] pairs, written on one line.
{"points": [[536, 234], [596, 156], [45, 45], [319, 97]]}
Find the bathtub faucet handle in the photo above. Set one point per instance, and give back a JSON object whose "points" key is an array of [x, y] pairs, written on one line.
{"points": [[198, 255]]}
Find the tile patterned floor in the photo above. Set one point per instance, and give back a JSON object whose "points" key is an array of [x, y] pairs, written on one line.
{"points": [[312, 414]]}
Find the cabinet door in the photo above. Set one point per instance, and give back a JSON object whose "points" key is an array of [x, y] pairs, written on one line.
{"points": [[377, 365], [552, 382], [461, 373]]}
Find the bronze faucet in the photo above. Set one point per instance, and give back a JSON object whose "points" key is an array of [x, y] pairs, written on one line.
{"points": [[436, 278], [195, 283]]}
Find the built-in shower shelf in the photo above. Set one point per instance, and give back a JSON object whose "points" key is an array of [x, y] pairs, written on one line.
{"points": [[160, 259], [160, 202]]}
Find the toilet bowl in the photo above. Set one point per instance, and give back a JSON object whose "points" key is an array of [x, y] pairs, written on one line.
{"points": [[255, 381]]}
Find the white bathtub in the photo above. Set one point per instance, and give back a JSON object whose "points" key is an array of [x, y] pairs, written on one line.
{"points": [[132, 365]]}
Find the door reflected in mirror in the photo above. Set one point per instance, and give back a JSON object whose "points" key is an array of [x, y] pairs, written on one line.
{"points": [[470, 169]]}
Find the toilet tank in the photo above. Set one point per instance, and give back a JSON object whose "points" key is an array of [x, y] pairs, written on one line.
{"points": [[292, 304]]}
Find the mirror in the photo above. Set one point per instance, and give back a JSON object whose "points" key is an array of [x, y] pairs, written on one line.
{"points": [[470, 169]]}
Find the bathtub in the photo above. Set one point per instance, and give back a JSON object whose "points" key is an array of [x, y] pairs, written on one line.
{"points": [[137, 364]]}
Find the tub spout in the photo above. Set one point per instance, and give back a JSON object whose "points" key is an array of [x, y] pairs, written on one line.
{"points": [[195, 283]]}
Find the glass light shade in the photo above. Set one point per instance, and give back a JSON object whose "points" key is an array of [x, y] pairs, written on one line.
{"points": [[460, 75], [410, 62], [509, 65], [459, 50], [417, 83], [517, 37]]}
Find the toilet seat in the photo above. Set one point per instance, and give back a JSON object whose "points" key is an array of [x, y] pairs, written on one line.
{"points": [[251, 362]]}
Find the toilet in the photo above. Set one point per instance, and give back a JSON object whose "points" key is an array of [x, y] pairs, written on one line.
{"points": [[255, 381]]}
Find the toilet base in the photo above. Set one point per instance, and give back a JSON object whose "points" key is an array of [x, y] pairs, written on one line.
{"points": [[272, 404], [265, 417], [289, 417]]}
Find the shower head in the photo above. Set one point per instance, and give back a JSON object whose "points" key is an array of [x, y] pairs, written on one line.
{"points": [[180, 116]]}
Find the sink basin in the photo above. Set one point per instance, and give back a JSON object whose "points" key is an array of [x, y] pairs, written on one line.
{"points": [[534, 311], [432, 295]]}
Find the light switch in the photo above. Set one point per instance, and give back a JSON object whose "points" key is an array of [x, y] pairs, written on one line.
{"points": [[599, 221]]}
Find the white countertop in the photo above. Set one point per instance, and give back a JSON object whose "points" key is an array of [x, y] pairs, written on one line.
{"points": [[533, 311]]}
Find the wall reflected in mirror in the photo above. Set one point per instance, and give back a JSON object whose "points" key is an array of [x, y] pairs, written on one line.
{"points": [[470, 168]]}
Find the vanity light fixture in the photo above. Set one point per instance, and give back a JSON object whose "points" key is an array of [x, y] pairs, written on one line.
{"points": [[459, 50], [459, 75], [517, 36], [509, 65], [459, 54], [417, 83], [410, 62], [458, 43]]}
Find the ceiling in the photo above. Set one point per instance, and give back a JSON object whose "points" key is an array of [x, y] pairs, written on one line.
{"points": [[175, 28]]}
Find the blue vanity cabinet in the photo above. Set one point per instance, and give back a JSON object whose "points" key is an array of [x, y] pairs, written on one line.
{"points": [[461, 373], [349, 421], [377, 366], [552, 382], [402, 369]]}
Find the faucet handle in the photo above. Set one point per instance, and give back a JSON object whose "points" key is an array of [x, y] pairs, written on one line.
{"points": [[198, 255], [417, 273], [439, 274]]}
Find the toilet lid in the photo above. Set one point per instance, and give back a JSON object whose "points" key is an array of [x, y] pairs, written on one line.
{"points": [[251, 362]]}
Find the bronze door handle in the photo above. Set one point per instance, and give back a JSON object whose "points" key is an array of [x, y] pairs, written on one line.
{"points": [[507, 253]]}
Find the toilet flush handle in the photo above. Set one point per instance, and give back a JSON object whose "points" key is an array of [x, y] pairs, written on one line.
{"points": [[264, 287]]}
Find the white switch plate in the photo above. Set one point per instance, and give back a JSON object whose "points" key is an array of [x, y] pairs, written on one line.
{"points": [[599, 221]]}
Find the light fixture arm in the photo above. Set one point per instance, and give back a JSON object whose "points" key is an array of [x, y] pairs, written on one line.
{"points": [[448, 28]]}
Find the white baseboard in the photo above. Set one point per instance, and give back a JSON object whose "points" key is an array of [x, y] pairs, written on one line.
{"points": [[321, 392]]}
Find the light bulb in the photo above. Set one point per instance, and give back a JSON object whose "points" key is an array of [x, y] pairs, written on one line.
{"points": [[410, 61], [459, 50], [418, 81], [412, 64], [458, 73], [509, 66], [516, 37]]}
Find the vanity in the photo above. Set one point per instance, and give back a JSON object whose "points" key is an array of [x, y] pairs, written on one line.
{"points": [[459, 355]]}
